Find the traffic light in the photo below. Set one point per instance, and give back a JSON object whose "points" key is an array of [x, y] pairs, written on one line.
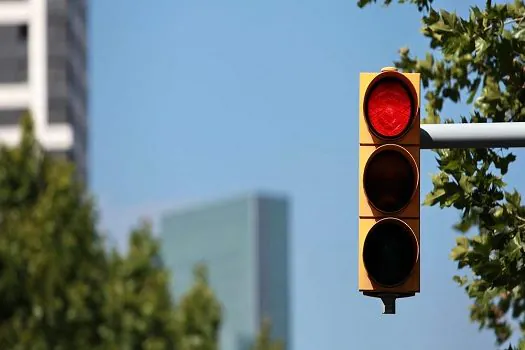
{"points": [[389, 147]]}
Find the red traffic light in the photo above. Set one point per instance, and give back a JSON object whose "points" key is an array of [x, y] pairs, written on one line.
{"points": [[389, 208], [390, 252], [389, 107], [390, 178]]}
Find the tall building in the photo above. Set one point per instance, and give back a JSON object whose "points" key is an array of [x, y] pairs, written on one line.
{"points": [[244, 241], [43, 70]]}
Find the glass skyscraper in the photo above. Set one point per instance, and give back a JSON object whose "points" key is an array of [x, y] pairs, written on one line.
{"points": [[244, 241]]}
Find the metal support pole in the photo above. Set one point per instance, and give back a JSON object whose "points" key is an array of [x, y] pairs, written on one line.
{"points": [[473, 135], [389, 305]]}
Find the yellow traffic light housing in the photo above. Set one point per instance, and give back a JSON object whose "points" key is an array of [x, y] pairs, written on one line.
{"points": [[389, 149]]}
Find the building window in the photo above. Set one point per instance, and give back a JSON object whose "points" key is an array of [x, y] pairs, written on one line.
{"points": [[13, 55], [11, 117], [58, 110], [22, 32]]}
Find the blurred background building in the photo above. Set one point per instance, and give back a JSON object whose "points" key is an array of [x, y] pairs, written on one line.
{"points": [[244, 241], [43, 70]]}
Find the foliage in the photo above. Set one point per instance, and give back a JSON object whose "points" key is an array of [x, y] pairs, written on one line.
{"points": [[139, 311], [421, 4], [480, 57], [50, 254], [61, 289], [264, 340], [200, 315]]}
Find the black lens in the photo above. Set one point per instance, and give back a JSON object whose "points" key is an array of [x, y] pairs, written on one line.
{"points": [[390, 252], [389, 181]]}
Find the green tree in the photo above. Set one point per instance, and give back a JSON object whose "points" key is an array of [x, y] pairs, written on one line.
{"points": [[200, 314], [52, 260], [264, 340], [62, 289], [139, 311], [481, 59]]}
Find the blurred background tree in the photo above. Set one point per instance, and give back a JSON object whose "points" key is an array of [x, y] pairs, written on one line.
{"points": [[140, 313], [60, 285], [200, 314], [52, 261], [264, 339]]}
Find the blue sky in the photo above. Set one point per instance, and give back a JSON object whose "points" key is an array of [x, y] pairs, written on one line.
{"points": [[202, 99]]}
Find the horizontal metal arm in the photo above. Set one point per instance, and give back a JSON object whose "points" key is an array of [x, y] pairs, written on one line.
{"points": [[473, 135]]}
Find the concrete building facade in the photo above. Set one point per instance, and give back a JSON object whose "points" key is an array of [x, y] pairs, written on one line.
{"points": [[43, 70], [244, 242]]}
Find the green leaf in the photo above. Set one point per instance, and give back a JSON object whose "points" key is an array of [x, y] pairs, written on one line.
{"points": [[462, 242], [460, 280], [513, 199], [473, 90], [465, 183], [463, 226], [458, 253], [433, 197], [476, 13], [520, 34], [461, 248], [481, 46]]}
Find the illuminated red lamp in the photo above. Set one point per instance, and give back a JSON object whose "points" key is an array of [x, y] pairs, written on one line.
{"points": [[389, 108]]}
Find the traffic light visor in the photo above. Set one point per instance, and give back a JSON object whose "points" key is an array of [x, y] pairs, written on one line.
{"points": [[390, 178], [390, 252], [390, 106]]}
